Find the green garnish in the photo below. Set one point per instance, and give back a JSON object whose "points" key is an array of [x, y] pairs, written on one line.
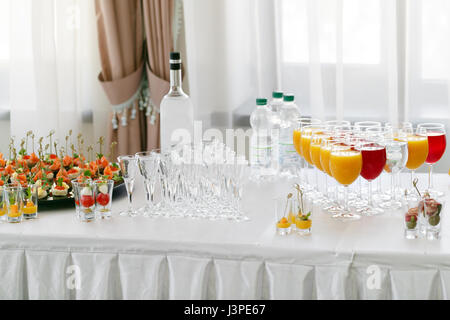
{"points": [[28, 192], [87, 173], [305, 218], [117, 178], [12, 199]]}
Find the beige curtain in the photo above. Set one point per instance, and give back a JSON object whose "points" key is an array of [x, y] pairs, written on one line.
{"points": [[121, 40], [121, 25], [158, 16]]}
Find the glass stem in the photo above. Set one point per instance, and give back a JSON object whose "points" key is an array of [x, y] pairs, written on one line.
{"points": [[346, 199], [336, 193], [370, 194], [360, 187], [130, 200], [152, 193], [317, 179], [430, 176], [412, 178], [379, 183], [392, 187]]}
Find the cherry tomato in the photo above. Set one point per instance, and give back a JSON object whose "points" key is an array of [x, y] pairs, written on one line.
{"points": [[103, 199], [87, 201]]}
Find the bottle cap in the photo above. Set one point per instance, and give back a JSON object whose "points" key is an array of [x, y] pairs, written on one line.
{"points": [[261, 101], [175, 61], [175, 56], [288, 98], [277, 95]]}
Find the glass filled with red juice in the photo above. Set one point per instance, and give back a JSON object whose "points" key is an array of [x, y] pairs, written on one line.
{"points": [[437, 143], [374, 160]]}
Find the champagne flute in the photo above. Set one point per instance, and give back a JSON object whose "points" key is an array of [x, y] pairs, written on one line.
{"points": [[305, 142], [302, 122], [148, 163], [318, 136], [128, 167]]}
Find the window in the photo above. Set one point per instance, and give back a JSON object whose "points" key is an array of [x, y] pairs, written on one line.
{"points": [[4, 56]]}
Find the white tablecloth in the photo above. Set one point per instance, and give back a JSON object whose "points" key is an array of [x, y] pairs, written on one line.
{"points": [[143, 258]]}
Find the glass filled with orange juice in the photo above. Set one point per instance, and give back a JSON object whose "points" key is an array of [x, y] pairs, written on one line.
{"points": [[301, 123], [331, 205], [345, 166], [317, 137], [305, 140], [305, 143]]}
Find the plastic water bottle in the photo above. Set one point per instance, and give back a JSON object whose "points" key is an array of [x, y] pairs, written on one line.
{"points": [[261, 140], [289, 160], [275, 105]]}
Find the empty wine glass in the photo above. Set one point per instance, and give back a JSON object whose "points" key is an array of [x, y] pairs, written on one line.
{"points": [[148, 163], [396, 157], [170, 166], [128, 167]]}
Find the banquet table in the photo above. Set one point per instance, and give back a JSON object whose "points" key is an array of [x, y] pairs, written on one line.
{"points": [[58, 257]]}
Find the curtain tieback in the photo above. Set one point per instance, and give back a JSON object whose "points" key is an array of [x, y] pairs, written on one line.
{"points": [[123, 94]]}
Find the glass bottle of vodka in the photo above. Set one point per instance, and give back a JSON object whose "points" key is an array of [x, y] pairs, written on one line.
{"points": [[176, 110], [275, 106], [289, 160], [261, 139]]}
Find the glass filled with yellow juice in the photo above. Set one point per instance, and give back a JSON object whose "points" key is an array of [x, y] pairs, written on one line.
{"points": [[301, 123], [417, 151], [305, 140], [297, 138]]}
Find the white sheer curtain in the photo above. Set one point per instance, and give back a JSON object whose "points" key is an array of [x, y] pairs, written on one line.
{"points": [[53, 67], [385, 60]]}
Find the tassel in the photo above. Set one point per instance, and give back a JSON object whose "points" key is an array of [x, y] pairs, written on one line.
{"points": [[115, 124], [133, 112], [123, 119], [153, 119]]}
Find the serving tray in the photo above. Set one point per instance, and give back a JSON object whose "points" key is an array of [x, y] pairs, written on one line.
{"points": [[55, 203]]}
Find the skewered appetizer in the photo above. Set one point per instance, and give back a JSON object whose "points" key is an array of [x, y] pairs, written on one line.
{"points": [[60, 189], [53, 168]]}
